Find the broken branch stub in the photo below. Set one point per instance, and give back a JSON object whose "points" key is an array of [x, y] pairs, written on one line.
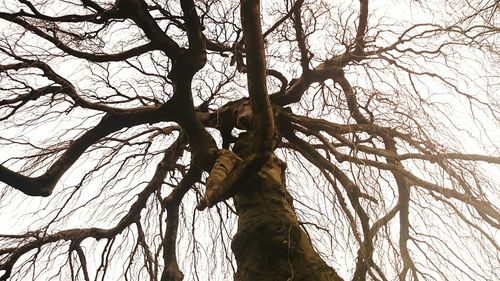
{"points": [[216, 191]]}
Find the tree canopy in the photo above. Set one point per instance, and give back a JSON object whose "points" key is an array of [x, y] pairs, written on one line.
{"points": [[142, 139]]}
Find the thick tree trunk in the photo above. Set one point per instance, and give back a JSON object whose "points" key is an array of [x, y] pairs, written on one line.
{"points": [[270, 244]]}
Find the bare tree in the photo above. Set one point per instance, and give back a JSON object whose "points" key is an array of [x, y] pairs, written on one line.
{"points": [[331, 140]]}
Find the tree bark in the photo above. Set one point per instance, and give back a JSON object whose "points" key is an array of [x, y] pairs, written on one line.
{"points": [[270, 244]]}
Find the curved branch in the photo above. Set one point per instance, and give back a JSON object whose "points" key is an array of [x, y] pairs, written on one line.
{"points": [[300, 37], [101, 17], [66, 87], [354, 193], [93, 5], [137, 10], [193, 27], [43, 185], [486, 210], [330, 69], [404, 209], [337, 130], [170, 157], [133, 52], [295, 6], [352, 102]]}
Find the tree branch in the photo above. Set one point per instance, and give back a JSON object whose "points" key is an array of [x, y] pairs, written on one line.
{"points": [[256, 76], [44, 184], [95, 57], [166, 164], [137, 10]]}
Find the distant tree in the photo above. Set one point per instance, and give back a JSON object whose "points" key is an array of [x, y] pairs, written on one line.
{"points": [[332, 140]]}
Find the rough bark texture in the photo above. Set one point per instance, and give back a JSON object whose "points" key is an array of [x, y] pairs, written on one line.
{"points": [[216, 191], [270, 244]]}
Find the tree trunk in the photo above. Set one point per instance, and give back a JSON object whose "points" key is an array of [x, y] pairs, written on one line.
{"points": [[270, 244]]}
